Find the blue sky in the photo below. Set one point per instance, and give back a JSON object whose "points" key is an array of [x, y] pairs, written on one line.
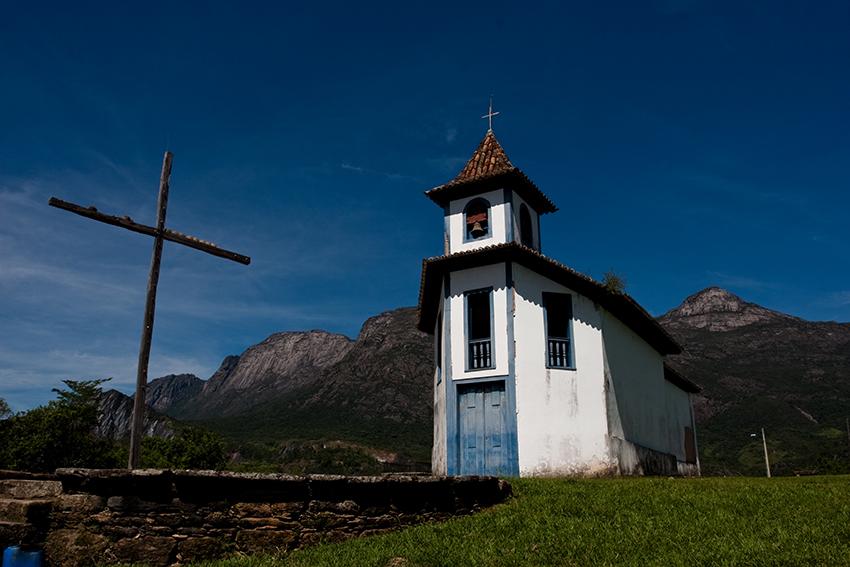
{"points": [[686, 143]]}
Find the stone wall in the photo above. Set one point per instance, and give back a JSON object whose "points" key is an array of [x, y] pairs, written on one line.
{"points": [[156, 517]]}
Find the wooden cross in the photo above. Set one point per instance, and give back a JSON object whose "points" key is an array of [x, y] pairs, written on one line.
{"points": [[159, 233], [489, 116]]}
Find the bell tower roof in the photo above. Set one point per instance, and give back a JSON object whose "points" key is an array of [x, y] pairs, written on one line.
{"points": [[489, 159], [490, 168]]}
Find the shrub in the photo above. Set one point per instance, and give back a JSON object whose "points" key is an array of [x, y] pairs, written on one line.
{"points": [[614, 282]]}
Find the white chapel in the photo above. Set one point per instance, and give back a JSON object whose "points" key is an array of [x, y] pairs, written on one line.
{"points": [[540, 370]]}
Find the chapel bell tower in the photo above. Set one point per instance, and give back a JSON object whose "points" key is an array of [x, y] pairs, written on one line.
{"points": [[491, 209], [490, 202]]}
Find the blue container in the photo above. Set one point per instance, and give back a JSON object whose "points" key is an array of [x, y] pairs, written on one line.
{"points": [[14, 556]]}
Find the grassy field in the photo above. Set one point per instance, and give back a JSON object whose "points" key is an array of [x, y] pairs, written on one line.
{"points": [[636, 521]]}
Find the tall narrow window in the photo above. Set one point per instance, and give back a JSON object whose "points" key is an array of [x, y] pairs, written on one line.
{"points": [[478, 329], [477, 218], [439, 353], [558, 308], [525, 233]]}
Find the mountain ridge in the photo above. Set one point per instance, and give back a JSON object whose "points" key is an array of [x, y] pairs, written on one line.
{"points": [[718, 310]]}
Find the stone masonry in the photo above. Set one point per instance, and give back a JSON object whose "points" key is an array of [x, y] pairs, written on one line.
{"points": [[161, 517]]}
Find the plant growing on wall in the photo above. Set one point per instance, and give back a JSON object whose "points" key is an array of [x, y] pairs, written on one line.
{"points": [[614, 282]]}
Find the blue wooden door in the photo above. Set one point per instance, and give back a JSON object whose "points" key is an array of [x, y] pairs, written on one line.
{"points": [[482, 421]]}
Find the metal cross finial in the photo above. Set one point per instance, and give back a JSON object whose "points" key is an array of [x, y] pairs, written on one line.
{"points": [[489, 116]]}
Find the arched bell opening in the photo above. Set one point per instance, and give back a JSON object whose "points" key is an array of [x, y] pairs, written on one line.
{"points": [[477, 219], [526, 232]]}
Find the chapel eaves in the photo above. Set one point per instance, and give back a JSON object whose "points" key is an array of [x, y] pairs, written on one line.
{"points": [[621, 305]]}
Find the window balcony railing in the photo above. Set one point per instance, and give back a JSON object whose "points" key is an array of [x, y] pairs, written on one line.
{"points": [[480, 355], [559, 353]]}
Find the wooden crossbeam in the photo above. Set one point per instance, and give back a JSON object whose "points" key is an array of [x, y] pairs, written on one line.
{"points": [[168, 234]]}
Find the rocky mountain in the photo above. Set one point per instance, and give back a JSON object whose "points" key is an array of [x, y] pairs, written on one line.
{"points": [[387, 372], [761, 368], [313, 385], [281, 364], [172, 391], [116, 412], [716, 309]]}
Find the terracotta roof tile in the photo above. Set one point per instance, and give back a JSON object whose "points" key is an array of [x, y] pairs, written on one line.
{"points": [[489, 168], [489, 159]]}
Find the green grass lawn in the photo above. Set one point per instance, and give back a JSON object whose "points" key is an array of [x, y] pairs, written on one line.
{"points": [[630, 521]]}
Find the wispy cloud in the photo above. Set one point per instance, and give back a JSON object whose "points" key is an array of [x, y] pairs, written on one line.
{"points": [[447, 163], [838, 299], [451, 135], [350, 167], [742, 282], [387, 174], [716, 192], [20, 372]]}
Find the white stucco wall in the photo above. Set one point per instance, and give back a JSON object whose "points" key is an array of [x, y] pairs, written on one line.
{"points": [[644, 408], [438, 451], [470, 280], [498, 222], [561, 420]]}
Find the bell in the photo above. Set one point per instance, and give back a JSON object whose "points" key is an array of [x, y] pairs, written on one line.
{"points": [[477, 230]]}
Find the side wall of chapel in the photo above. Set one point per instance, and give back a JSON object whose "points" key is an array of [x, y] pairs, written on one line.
{"points": [[561, 425]]}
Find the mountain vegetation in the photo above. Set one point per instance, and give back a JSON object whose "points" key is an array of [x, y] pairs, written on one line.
{"points": [[761, 368]]}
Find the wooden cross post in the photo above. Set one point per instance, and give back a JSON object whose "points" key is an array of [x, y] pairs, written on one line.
{"points": [[160, 234]]}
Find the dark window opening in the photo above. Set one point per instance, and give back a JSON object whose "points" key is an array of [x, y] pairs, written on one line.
{"points": [[690, 446], [479, 330], [477, 215], [559, 314], [526, 236]]}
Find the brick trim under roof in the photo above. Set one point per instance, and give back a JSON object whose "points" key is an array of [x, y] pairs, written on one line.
{"points": [[489, 168], [620, 305]]}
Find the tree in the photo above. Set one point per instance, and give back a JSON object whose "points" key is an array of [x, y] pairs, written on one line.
{"points": [[5, 410], [59, 434], [63, 434], [614, 282]]}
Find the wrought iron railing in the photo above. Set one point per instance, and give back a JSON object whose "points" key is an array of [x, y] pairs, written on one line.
{"points": [[559, 353], [479, 354]]}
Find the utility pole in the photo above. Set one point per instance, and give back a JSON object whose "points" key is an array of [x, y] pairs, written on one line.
{"points": [[847, 422], [766, 460]]}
